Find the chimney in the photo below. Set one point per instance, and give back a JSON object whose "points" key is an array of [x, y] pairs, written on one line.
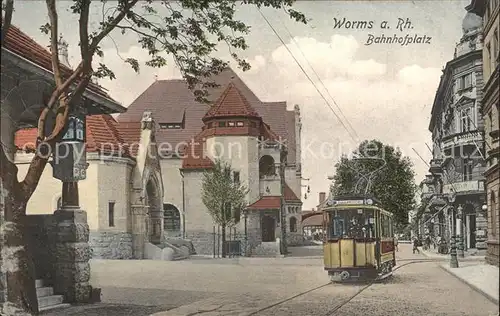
{"points": [[322, 197]]}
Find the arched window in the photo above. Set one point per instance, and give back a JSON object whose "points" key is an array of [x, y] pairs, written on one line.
{"points": [[171, 218], [293, 224], [266, 166]]}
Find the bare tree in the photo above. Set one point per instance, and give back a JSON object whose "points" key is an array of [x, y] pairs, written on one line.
{"points": [[188, 30]]}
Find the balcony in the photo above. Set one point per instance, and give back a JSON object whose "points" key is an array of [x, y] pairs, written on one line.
{"points": [[464, 186], [435, 167], [461, 139]]}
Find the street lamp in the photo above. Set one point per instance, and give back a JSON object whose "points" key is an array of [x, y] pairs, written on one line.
{"points": [[484, 207], [69, 161]]}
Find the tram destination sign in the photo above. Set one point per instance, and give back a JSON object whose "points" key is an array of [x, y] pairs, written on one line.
{"points": [[350, 202]]}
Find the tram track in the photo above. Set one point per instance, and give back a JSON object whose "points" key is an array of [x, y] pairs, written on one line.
{"points": [[349, 299]]}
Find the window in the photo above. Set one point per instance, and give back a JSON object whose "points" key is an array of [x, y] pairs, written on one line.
{"points": [[240, 123], [171, 218], [467, 170], [495, 48], [493, 214], [465, 120], [464, 82], [230, 124], [111, 214], [489, 55], [236, 177], [386, 229], [293, 224], [222, 124], [490, 121], [352, 223]]}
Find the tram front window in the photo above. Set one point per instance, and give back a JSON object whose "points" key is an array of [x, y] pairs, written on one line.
{"points": [[352, 223]]}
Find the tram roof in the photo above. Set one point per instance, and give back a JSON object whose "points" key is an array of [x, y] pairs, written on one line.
{"points": [[357, 206]]}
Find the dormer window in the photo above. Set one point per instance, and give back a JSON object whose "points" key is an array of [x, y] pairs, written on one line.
{"points": [[170, 125], [231, 124], [240, 123], [222, 124]]}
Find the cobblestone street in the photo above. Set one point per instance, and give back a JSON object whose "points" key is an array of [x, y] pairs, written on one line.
{"points": [[245, 286]]}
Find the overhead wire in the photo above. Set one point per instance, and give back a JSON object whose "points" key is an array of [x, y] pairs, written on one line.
{"points": [[305, 73], [317, 76]]}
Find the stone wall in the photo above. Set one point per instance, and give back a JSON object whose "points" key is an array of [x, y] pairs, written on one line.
{"points": [[41, 242], [111, 245], [203, 242]]}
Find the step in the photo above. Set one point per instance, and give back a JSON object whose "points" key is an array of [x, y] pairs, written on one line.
{"points": [[44, 291], [38, 283], [49, 300], [51, 307]]}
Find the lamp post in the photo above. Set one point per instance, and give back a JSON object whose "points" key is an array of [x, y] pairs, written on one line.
{"points": [[70, 165], [245, 214], [460, 216], [283, 243]]}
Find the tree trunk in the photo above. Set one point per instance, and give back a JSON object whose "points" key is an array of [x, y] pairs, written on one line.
{"points": [[223, 232], [17, 263]]}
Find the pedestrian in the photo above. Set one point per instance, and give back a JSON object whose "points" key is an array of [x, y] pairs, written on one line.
{"points": [[396, 241], [415, 245]]}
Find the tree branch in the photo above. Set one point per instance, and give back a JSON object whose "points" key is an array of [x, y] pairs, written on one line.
{"points": [[84, 35], [6, 22], [54, 44], [111, 25]]}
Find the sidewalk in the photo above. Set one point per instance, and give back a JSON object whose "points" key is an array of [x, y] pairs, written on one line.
{"points": [[472, 270], [474, 255], [480, 276]]}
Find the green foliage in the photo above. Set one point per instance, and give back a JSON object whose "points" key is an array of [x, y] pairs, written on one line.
{"points": [[393, 185], [218, 190], [188, 30]]}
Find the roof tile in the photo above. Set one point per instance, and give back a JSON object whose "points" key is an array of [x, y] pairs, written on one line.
{"points": [[231, 103]]}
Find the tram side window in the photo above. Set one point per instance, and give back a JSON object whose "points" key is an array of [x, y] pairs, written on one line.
{"points": [[385, 225], [337, 227]]}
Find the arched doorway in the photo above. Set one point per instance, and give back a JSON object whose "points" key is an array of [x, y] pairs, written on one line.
{"points": [[171, 220], [268, 225], [154, 220]]}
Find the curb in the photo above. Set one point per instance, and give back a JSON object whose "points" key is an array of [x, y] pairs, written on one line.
{"points": [[472, 286], [447, 257]]}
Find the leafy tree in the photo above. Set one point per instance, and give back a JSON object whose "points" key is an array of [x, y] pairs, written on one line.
{"points": [[393, 185], [187, 30], [223, 197]]}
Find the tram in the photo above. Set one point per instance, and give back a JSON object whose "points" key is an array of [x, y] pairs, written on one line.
{"points": [[359, 239]]}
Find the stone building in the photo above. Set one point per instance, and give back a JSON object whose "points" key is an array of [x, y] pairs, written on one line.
{"points": [[149, 172], [457, 182], [122, 193], [240, 129], [489, 10], [26, 79]]}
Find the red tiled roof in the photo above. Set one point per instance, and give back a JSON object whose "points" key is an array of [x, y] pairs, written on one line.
{"points": [[274, 202], [195, 156], [266, 202], [21, 44], [231, 103], [170, 101], [103, 133]]}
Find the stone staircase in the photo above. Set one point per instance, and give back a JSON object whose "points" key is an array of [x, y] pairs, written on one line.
{"points": [[46, 298]]}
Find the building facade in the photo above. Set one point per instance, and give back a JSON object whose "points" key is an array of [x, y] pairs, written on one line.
{"points": [[149, 173], [489, 10], [456, 193]]}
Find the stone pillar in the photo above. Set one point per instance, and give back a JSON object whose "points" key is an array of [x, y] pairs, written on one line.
{"points": [[72, 268], [139, 218]]}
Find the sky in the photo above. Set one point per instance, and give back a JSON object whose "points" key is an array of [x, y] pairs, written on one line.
{"points": [[384, 91]]}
